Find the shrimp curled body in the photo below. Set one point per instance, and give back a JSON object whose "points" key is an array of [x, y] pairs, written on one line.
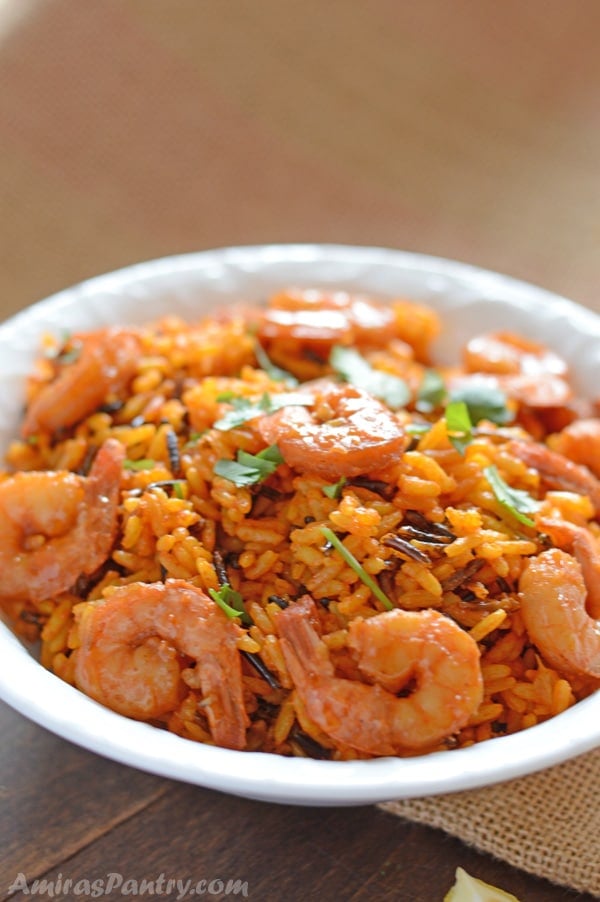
{"points": [[395, 650], [326, 317], [133, 644], [526, 370], [560, 600], [107, 362], [57, 526], [346, 433], [580, 442]]}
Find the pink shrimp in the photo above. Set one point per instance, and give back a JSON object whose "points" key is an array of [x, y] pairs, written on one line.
{"points": [[326, 317], [393, 650], [346, 433], [106, 364], [560, 600], [56, 526], [526, 370], [556, 470], [580, 442], [300, 327], [131, 651]]}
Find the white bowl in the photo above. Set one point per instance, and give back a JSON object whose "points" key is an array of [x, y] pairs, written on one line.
{"points": [[470, 300]]}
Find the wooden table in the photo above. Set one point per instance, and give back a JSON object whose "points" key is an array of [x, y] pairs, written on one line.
{"points": [[67, 812], [131, 129]]}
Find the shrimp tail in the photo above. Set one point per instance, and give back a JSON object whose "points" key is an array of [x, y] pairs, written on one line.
{"points": [[225, 710], [102, 487], [307, 653]]}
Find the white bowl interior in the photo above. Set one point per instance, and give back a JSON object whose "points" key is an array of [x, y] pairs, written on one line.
{"points": [[470, 300]]}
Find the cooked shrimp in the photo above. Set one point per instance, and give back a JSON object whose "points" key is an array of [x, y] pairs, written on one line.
{"points": [[312, 321], [505, 353], [526, 370], [580, 442], [586, 548], [560, 605], [56, 526], [346, 433], [133, 648], [557, 471], [394, 650], [107, 362], [326, 317]]}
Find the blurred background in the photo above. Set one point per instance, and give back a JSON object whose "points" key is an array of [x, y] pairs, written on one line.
{"points": [[131, 129]]}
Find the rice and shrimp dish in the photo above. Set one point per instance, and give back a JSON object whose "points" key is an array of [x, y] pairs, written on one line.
{"points": [[286, 529]]}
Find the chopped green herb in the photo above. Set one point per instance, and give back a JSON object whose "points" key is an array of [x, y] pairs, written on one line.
{"points": [[32, 440], [432, 391], [357, 567], [236, 473], [267, 460], [249, 469], [71, 356], [335, 489], [231, 602], [458, 423], [244, 409], [353, 368], [193, 439], [272, 371], [417, 428], [484, 401], [516, 501], [56, 350], [144, 464], [175, 484]]}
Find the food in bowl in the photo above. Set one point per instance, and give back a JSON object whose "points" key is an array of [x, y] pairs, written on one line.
{"points": [[285, 529]]}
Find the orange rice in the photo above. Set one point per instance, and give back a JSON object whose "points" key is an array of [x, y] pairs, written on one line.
{"points": [[178, 518]]}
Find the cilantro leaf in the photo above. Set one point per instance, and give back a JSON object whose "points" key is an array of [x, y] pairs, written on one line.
{"points": [[516, 501], [144, 464], [417, 428], [432, 391], [485, 401], [248, 469], [193, 439], [353, 368], [357, 567], [231, 602], [458, 424], [71, 356], [236, 473], [273, 371], [244, 409], [335, 489]]}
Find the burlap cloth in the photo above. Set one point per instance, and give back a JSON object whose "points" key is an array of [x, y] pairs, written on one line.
{"points": [[547, 824]]}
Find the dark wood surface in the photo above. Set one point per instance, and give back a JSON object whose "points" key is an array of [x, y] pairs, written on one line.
{"points": [[67, 814], [131, 129]]}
